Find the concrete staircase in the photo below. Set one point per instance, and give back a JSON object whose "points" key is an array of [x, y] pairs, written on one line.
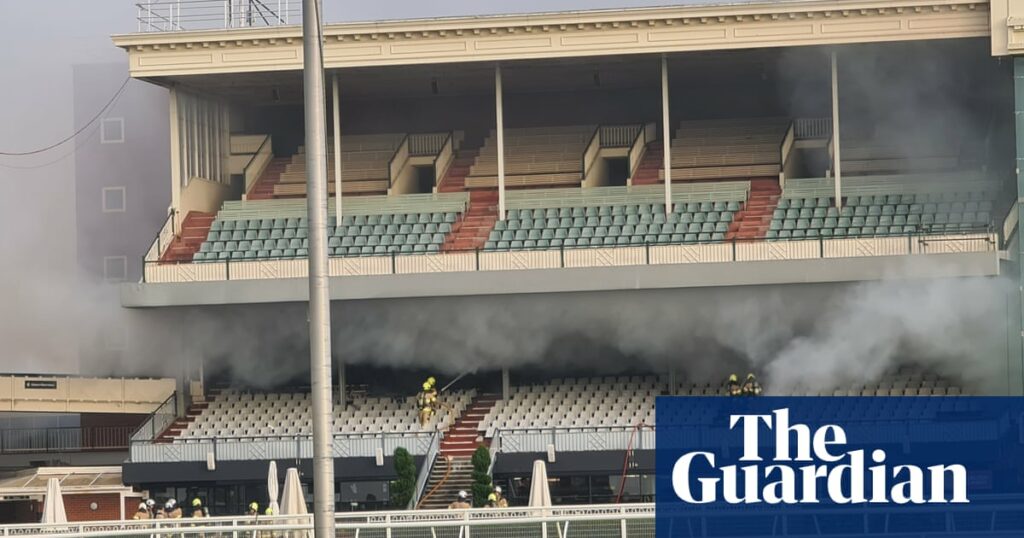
{"points": [[264, 187], [454, 179], [445, 482], [650, 165], [471, 230], [756, 214], [453, 469], [194, 229]]}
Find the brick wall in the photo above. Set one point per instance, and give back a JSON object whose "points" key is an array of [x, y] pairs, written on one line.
{"points": [[108, 507]]}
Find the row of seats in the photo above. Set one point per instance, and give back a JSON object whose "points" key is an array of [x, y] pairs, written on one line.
{"points": [[881, 215], [233, 414], [534, 156], [358, 235]]}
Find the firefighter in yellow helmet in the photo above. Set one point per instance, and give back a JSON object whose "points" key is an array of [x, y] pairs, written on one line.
{"points": [[197, 508], [425, 403], [750, 386], [733, 386], [254, 509]]}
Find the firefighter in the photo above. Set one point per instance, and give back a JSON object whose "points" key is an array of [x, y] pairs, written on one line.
{"points": [[751, 387], [151, 507], [172, 510], [425, 404], [499, 500], [733, 386], [197, 508], [254, 509], [142, 512], [461, 503]]}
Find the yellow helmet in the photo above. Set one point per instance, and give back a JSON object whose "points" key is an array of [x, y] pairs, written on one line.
{"points": [[492, 497], [732, 377], [253, 506], [750, 376], [426, 386], [197, 502]]}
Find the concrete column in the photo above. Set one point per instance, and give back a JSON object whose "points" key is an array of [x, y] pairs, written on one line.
{"points": [[337, 152], [836, 160], [506, 384], [666, 134], [499, 113], [175, 150], [1015, 350], [673, 382], [342, 382]]}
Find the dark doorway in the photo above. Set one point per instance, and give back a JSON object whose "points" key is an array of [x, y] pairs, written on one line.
{"points": [[618, 171]]}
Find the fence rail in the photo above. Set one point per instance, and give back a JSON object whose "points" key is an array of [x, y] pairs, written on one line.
{"points": [[583, 257], [285, 447], [183, 15], [70, 439], [158, 421], [574, 439], [812, 128]]}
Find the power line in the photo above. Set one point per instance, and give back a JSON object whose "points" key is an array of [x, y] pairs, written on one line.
{"points": [[74, 134]]}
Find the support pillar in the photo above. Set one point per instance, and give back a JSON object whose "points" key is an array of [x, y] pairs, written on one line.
{"points": [[1015, 373], [506, 384], [666, 134], [499, 113], [836, 160], [337, 153], [342, 385], [673, 382], [319, 296]]}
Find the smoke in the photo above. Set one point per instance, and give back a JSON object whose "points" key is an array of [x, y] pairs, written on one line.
{"points": [[799, 337]]}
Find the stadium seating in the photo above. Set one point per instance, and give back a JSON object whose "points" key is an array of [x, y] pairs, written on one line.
{"points": [[577, 403], [237, 414], [535, 156], [370, 226], [866, 156], [617, 216], [733, 148], [364, 165], [619, 402], [894, 205]]}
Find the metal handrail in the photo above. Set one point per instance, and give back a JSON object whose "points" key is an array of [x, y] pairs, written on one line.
{"points": [[151, 420], [157, 244], [64, 439], [424, 475]]}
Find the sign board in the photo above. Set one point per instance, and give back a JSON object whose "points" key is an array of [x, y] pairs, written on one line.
{"points": [[40, 384]]}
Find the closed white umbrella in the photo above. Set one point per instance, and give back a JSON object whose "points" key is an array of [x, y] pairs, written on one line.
{"points": [[272, 486], [540, 493], [53, 506], [292, 501]]}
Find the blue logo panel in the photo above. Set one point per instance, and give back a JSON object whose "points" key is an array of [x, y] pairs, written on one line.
{"points": [[839, 467]]}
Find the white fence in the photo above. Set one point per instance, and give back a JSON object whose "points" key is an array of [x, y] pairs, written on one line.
{"points": [[676, 254], [599, 521], [574, 440], [284, 447], [183, 15]]}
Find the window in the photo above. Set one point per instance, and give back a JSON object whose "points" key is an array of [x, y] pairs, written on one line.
{"points": [[113, 200], [115, 268], [112, 131]]}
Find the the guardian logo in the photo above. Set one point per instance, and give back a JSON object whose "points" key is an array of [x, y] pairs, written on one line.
{"points": [[810, 467]]}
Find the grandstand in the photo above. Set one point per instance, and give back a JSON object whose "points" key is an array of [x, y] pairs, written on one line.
{"points": [[629, 180]]}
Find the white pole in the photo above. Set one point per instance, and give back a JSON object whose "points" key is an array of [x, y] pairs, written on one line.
{"points": [[337, 151], [499, 117], [666, 134], [319, 294], [836, 160]]}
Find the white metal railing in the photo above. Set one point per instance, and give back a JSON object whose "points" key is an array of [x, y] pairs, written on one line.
{"points": [[574, 439], [812, 128], [424, 474], [157, 422], [426, 144], [603, 521], [564, 258], [183, 15], [619, 136], [277, 447], [163, 239]]}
